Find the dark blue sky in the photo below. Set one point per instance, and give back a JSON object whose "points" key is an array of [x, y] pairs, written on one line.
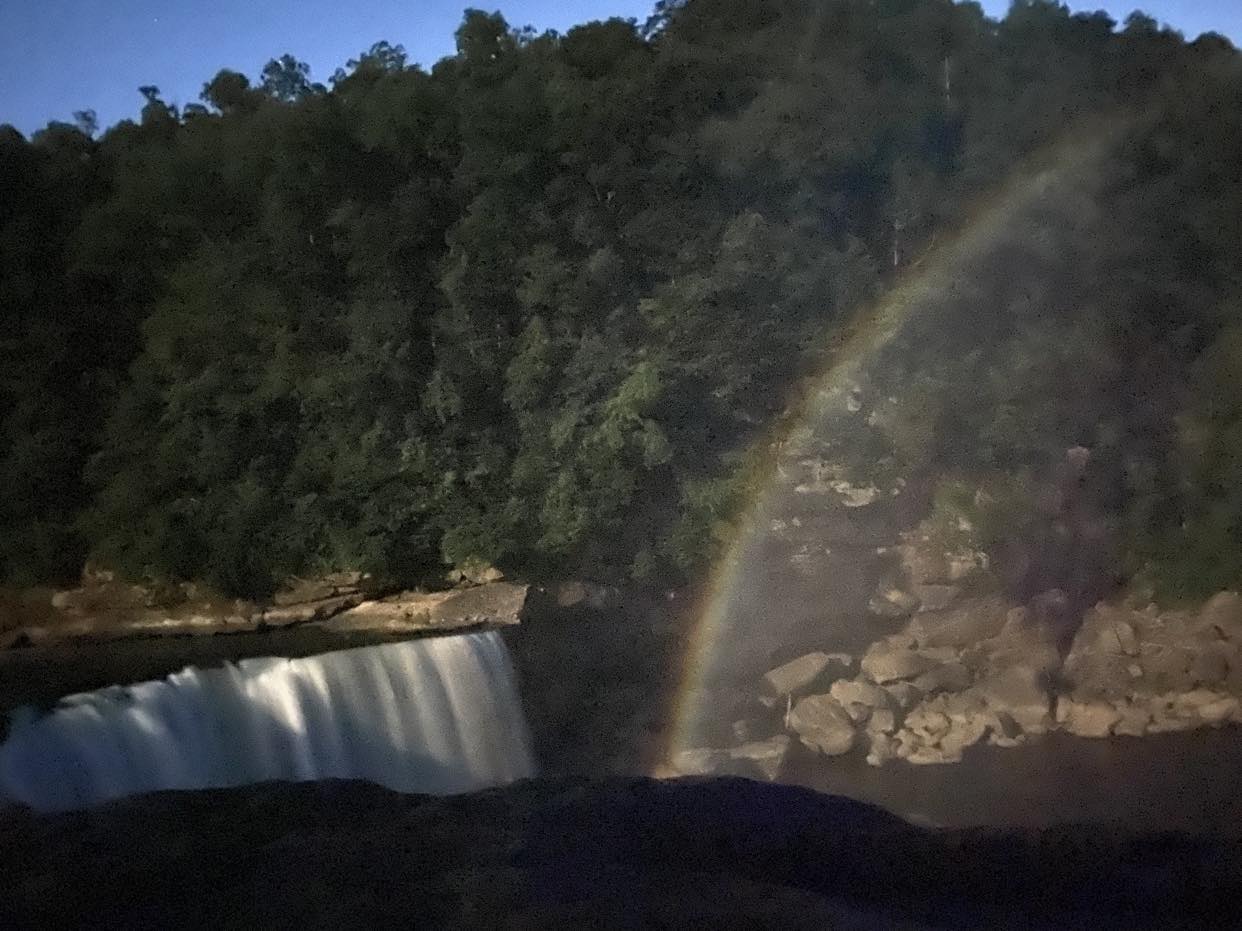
{"points": [[57, 56]]}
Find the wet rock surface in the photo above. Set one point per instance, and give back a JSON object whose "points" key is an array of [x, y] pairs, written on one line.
{"points": [[106, 632], [728, 853], [103, 609]]}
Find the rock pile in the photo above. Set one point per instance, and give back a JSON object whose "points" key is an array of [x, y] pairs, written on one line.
{"points": [[1134, 672], [951, 679], [988, 672]]}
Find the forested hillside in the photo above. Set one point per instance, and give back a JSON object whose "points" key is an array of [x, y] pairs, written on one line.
{"points": [[542, 304]]}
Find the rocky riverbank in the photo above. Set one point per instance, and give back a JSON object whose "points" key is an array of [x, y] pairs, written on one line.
{"points": [[986, 671], [104, 608], [962, 664]]}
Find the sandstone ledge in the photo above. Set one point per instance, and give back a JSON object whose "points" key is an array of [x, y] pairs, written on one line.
{"points": [[104, 614], [43, 662]]}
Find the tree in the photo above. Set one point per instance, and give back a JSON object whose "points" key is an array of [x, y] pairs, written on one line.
{"points": [[539, 303], [228, 91], [288, 79]]}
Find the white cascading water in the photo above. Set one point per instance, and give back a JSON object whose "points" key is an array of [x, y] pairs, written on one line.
{"points": [[438, 715]]}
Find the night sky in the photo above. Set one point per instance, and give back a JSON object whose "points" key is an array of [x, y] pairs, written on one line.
{"points": [[58, 56]]}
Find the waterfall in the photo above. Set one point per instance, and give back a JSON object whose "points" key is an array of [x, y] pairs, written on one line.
{"points": [[437, 715]]}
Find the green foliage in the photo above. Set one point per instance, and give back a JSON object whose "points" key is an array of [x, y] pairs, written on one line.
{"points": [[535, 305], [1195, 547]]}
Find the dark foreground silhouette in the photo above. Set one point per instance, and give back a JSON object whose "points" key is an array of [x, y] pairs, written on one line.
{"points": [[573, 853]]}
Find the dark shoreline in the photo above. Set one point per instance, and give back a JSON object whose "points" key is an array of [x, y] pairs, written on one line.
{"points": [[601, 853]]}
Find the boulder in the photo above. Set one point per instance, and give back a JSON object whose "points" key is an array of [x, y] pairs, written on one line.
{"points": [[1023, 641], [1005, 731], [859, 692], [1190, 702], [964, 734], [765, 756], [1166, 719], [904, 694], [967, 624], [887, 662], [474, 571], [1019, 692], [699, 761], [928, 724], [881, 749], [949, 677], [1222, 616], [882, 721], [962, 707], [303, 612], [1211, 664], [822, 724], [892, 602], [1086, 718], [1132, 720], [334, 584], [1102, 675], [1224, 708], [1168, 667], [498, 603], [798, 675], [1106, 629], [931, 755], [935, 597]]}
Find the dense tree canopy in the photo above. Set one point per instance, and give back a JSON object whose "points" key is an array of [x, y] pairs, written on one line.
{"points": [[536, 305]]}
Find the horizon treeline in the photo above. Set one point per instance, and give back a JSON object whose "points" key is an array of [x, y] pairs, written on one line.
{"points": [[540, 305]]}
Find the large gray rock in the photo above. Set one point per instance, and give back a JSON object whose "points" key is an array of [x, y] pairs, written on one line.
{"points": [[903, 694], [497, 603], [306, 611], [1132, 720], [892, 602], [881, 749], [762, 758], [966, 624], [333, 585], [935, 597], [929, 724], [1106, 629], [1087, 718], [887, 661], [1222, 616], [798, 675], [882, 721], [1020, 692], [964, 734], [1166, 668], [822, 724], [1223, 708], [951, 677], [1024, 641], [765, 756], [860, 692], [700, 761]]}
